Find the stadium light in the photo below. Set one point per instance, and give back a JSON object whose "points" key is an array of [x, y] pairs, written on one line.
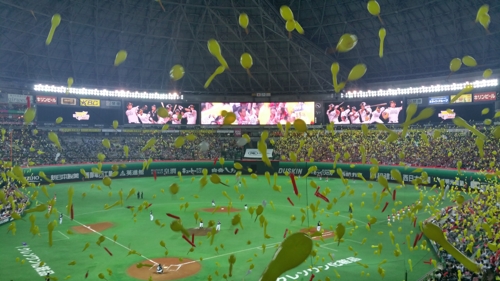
{"points": [[107, 93], [421, 90]]}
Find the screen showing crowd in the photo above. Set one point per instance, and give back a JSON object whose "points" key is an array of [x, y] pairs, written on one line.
{"points": [[366, 112], [258, 113], [147, 113]]}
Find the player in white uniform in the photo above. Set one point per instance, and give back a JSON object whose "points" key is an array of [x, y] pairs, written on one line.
{"points": [[60, 218], [344, 116], [143, 117], [151, 217], [201, 223], [354, 116], [333, 113], [394, 112], [376, 115], [364, 112], [213, 203], [318, 227], [175, 117], [132, 114], [190, 115], [218, 226], [246, 207], [243, 118]]}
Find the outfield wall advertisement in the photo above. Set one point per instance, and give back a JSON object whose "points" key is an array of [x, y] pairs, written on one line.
{"points": [[73, 173]]}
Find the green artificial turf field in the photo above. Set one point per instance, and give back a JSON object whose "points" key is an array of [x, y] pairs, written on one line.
{"points": [[144, 235]]}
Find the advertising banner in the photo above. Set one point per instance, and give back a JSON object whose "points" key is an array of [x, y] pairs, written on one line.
{"points": [[78, 115], [255, 153], [111, 103], [463, 98], [258, 113], [445, 113], [20, 99], [90, 102], [369, 111], [46, 100], [439, 100], [489, 96], [67, 101]]}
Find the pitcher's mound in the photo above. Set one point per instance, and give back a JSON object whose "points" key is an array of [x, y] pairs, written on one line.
{"points": [[173, 269], [199, 231], [95, 226], [312, 231], [220, 210]]}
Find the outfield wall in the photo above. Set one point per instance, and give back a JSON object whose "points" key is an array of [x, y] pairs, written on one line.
{"points": [[68, 173]]}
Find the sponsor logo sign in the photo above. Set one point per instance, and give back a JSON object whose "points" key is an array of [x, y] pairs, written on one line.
{"points": [[82, 115], [90, 102], [463, 98], [255, 153], [490, 96], [112, 103], [68, 101], [46, 100], [439, 100], [415, 101], [447, 114], [12, 98]]}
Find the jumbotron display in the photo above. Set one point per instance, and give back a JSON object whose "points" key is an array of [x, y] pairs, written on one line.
{"points": [[258, 113], [142, 112], [365, 112]]}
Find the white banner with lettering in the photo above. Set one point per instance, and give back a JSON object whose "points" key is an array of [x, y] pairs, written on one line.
{"points": [[255, 153], [18, 98]]}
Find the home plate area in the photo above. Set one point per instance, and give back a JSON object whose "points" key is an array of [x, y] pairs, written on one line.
{"points": [[315, 235]]}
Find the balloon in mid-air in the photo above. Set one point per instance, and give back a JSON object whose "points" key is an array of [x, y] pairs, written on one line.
{"points": [[177, 72], [286, 13], [381, 33], [357, 72], [244, 21], [455, 64], [347, 42], [56, 20], [121, 56], [246, 61]]}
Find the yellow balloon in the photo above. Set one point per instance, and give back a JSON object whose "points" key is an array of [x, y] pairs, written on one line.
{"points": [[373, 8], [290, 25], [229, 119], [70, 82], [179, 142], [483, 10], [347, 42], [218, 71], [487, 73], [455, 64], [484, 20], [162, 112], [286, 13], [357, 72], [56, 20], [29, 115], [106, 143], [469, 61], [246, 61], [335, 71], [243, 21], [177, 72], [121, 56], [106, 181], [215, 50], [381, 33], [59, 120], [300, 125], [115, 124], [299, 28]]}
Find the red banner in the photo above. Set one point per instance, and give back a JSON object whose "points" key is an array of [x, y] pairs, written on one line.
{"points": [[489, 96], [46, 100]]}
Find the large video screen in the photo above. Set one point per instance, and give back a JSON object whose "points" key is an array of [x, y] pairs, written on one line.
{"points": [[445, 113], [146, 112], [78, 115], [365, 112], [258, 113]]}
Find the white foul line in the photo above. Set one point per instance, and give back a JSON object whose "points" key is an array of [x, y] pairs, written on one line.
{"points": [[125, 247], [63, 234]]}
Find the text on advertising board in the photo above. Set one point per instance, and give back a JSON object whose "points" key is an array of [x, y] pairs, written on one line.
{"points": [[439, 100], [490, 96], [89, 102], [68, 101], [463, 98], [46, 100]]}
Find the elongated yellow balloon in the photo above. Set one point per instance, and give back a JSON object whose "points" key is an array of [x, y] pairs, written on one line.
{"points": [[56, 20], [286, 13], [121, 56], [299, 28], [243, 20], [218, 71], [215, 50], [484, 20], [290, 25], [455, 64], [335, 71], [177, 72], [246, 61], [469, 61], [59, 120], [29, 115], [482, 10], [381, 33], [373, 8], [487, 73], [70, 82], [357, 72], [115, 124]]}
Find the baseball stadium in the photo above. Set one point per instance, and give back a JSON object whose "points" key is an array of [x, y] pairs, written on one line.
{"points": [[264, 140]]}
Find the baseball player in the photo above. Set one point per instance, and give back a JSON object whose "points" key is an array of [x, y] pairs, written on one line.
{"points": [[190, 115], [354, 116], [246, 207], [264, 203], [350, 208], [376, 115], [55, 197], [132, 113], [201, 223], [333, 113], [318, 227], [364, 112], [218, 226], [60, 218], [393, 112], [388, 219], [213, 203], [159, 269], [151, 217]]}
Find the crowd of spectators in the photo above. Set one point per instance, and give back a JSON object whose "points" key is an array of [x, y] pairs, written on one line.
{"points": [[462, 226], [20, 201]]}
